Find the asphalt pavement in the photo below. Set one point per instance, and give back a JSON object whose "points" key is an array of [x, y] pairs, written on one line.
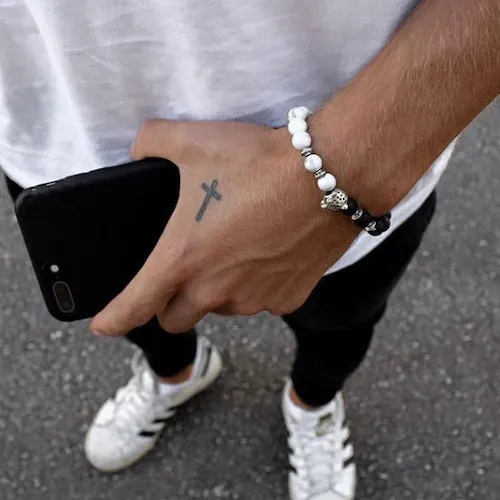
{"points": [[424, 407]]}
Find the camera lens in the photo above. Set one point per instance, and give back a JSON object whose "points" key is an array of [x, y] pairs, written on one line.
{"points": [[63, 297]]}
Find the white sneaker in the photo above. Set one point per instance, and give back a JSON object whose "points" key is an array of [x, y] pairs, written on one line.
{"points": [[321, 456], [128, 426]]}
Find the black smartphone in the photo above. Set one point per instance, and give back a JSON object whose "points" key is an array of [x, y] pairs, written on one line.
{"points": [[88, 235]]}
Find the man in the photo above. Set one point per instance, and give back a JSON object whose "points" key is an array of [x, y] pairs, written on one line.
{"points": [[390, 83]]}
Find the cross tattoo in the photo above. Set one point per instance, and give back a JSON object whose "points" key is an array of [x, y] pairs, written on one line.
{"points": [[211, 192]]}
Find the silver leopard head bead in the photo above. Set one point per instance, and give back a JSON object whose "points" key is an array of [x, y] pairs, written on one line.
{"points": [[334, 200]]}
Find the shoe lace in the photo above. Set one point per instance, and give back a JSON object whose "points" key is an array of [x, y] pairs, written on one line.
{"points": [[132, 400], [317, 449]]}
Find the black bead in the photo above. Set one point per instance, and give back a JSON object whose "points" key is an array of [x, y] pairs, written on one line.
{"points": [[352, 207], [364, 220], [382, 224]]}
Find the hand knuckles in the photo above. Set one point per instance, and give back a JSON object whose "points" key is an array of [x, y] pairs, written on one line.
{"points": [[145, 132], [167, 324], [248, 308], [207, 299], [278, 311], [150, 127], [133, 317], [163, 320], [284, 309]]}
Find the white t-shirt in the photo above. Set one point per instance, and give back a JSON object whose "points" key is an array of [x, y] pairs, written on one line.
{"points": [[77, 79]]}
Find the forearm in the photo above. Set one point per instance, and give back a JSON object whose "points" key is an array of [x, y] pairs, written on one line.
{"points": [[383, 130]]}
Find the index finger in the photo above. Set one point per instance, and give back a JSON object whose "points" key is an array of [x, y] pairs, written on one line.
{"points": [[161, 139]]}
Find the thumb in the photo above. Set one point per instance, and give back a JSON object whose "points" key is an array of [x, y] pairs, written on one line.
{"points": [[149, 292]]}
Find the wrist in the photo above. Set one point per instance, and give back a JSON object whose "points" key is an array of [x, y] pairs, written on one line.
{"points": [[334, 198], [301, 190], [353, 161]]}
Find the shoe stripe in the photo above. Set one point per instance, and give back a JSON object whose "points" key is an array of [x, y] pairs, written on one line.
{"points": [[148, 434], [349, 461], [346, 442], [161, 420], [208, 355], [291, 458]]}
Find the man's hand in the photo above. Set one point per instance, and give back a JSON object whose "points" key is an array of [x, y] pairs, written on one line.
{"points": [[247, 235]]}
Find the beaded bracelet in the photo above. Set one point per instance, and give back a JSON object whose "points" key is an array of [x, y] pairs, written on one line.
{"points": [[334, 198]]}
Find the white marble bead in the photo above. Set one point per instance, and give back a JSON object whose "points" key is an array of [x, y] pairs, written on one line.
{"points": [[313, 163], [301, 140], [297, 125], [300, 112], [327, 183]]}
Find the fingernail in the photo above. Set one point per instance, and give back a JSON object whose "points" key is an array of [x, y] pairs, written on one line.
{"points": [[97, 333]]}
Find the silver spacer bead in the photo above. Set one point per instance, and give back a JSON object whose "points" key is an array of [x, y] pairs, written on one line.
{"points": [[334, 200], [306, 152], [371, 227], [356, 215], [320, 173]]}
